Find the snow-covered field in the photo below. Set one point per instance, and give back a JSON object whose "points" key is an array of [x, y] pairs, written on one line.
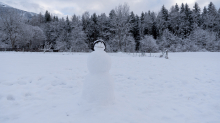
{"points": [[46, 88]]}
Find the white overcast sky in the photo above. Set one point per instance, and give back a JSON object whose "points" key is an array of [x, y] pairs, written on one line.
{"points": [[70, 7]]}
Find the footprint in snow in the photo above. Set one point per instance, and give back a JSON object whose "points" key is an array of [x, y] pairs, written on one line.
{"points": [[27, 94], [10, 97], [21, 83]]}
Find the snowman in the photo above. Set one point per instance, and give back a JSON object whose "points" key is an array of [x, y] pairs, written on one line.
{"points": [[98, 86]]}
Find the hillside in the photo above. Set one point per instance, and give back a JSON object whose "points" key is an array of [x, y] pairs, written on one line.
{"points": [[6, 8]]}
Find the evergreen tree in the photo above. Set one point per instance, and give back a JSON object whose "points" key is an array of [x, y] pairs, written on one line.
{"points": [[188, 21], [112, 22], [112, 14], [154, 30], [75, 21], [177, 8], [94, 27], [137, 32], [205, 18], [132, 22], [164, 13], [182, 21], [196, 15], [57, 19], [67, 25], [85, 20], [182, 9], [218, 24], [141, 27], [162, 22], [212, 16], [87, 28], [211, 9], [148, 23], [174, 20], [47, 17]]}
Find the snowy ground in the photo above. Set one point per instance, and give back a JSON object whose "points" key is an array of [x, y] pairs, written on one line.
{"points": [[46, 88]]}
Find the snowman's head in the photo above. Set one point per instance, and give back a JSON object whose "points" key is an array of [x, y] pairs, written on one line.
{"points": [[99, 45]]}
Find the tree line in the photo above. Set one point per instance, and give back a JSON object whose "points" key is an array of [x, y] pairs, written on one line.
{"points": [[179, 29]]}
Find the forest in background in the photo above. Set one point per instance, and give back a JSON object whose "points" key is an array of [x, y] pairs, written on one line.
{"points": [[179, 29]]}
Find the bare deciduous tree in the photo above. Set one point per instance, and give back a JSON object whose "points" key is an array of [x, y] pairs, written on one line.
{"points": [[47, 46], [11, 24], [120, 24], [33, 36]]}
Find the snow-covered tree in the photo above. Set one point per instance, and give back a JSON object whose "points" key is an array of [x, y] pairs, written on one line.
{"points": [[135, 28], [218, 24], [196, 16], [129, 44], [33, 36], [148, 44], [162, 20], [188, 25], [148, 23], [11, 23], [63, 42], [141, 25], [120, 25], [103, 27], [174, 20], [201, 37], [90, 27], [47, 17], [179, 29], [78, 39], [166, 40], [46, 47]]}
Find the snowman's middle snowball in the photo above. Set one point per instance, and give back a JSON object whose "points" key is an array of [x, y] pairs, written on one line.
{"points": [[98, 62]]}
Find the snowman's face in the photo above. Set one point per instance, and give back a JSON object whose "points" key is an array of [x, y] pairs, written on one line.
{"points": [[99, 45]]}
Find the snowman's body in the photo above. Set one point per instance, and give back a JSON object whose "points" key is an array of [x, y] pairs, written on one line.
{"points": [[98, 85]]}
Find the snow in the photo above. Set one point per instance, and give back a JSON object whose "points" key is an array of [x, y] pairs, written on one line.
{"points": [[98, 89], [38, 87]]}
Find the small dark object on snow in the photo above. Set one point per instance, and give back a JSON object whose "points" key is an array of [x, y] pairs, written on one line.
{"points": [[162, 53], [166, 57]]}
